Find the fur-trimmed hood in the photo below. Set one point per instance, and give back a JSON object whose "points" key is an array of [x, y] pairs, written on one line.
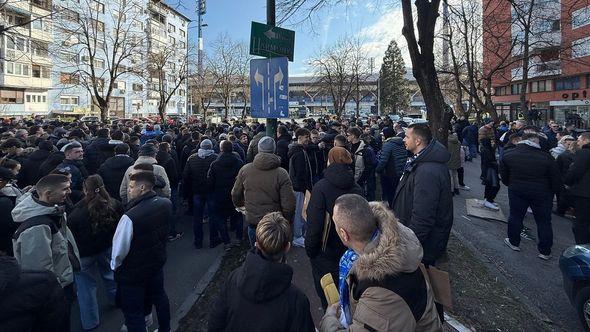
{"points": [[395, 250]]}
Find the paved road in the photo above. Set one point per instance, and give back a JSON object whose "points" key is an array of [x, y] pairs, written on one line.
{"points": [[540, 282], [183, 270]]}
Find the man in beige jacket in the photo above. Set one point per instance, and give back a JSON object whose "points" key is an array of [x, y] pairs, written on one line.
{"points": [[386, 288], [147, 155]]}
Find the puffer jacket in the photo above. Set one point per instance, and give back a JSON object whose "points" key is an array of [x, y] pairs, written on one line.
{"points": [[195, 173], [96, 153], [112, 172], [388, 291], [165, 160], [44, 226], [423, 201], [454, 148], [578, 176], [29, 173], [262, 187], [30, 300], [283, 143], [299, 168], [392, 158], [159, 172]]}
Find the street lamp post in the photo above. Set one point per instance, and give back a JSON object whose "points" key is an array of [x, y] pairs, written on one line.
{"points": [[201, 10], [271, 124]]}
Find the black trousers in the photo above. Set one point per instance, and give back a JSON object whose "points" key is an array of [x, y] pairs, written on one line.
{"points": [[321, 266], [461, 175], [490, 193], [581, 225]]}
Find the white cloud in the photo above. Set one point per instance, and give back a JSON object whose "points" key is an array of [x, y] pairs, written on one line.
{"points": [[376, 37]]}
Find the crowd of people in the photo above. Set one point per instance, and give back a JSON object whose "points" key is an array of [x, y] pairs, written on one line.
{"points": [[84, 199]]}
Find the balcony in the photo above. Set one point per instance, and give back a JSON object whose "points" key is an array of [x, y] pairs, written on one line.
{"points": [[22, 7], [41, 7], [539, 69], [42, 35], [25, 82]]}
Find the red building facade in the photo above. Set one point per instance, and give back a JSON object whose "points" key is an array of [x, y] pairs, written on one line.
{"points": [[559, 71]]}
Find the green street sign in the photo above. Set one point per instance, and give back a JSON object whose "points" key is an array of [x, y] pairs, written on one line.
{"points": [[271, 42]]}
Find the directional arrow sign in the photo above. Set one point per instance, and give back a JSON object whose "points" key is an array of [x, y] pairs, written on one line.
{"points": [[269, 82], [269, 41]]}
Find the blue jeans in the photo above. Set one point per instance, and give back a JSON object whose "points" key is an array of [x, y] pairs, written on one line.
{"points": [[541, 203], [388, 187], [218, 226], [298, 223], [86, 286], [132, 300], [236, 220], [472, 149], [201, 204]]}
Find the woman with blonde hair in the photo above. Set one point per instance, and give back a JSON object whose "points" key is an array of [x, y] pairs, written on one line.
{"points": [[93, 222]]}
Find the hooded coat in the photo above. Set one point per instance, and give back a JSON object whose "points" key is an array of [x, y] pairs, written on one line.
{"points": [[195, 173], [221, 178], [112, 172], [262, 186], [388, 291], [43, 239], [30, 300], [454, 148], [260, 296], [423, 201], [159, 172]]}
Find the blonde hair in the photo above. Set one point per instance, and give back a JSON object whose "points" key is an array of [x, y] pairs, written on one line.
{"points": [[273, 233]]}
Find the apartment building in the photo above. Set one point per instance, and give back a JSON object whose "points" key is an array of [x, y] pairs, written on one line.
{"points": [[559, 71], [55, 52]]}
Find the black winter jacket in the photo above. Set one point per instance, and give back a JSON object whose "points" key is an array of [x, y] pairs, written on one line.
{"points": [[78, 171], [51, 163], [578, 176], [338, 180], [283, 143], [316, 160], [526, 168], [29, 173], [92, 242], [299, 168], [392, 158], [165, 160], [30, 300], [221, 178], [259, 296], [112, 172], [195, 174], [7, 225], [96, 153], [423, 200]]}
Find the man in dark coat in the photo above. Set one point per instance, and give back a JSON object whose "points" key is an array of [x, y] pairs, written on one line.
{"points": [[29, 173], [470, 134], [301, 177], [259, 295], [392, 160], [423, 199], [315, 151], [74, 154], [533, 179], [283, 142], [30, 300], [578, 178], [324, 256], [221, 178], [114, 168], [98, 151], [7, 203], [195, 184]]}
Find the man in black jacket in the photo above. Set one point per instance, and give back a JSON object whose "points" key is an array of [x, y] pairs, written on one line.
{"points": [[221, 178], [139, 253], [423, 201], [532, 178], [98, 151], [7, 203], [283, 142], [29, 173], [578, 178], [74, 154], [301, 177], [195, 185], [114, 168], [259, 295]]}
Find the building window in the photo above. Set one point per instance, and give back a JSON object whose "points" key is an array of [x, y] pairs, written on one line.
{"points": [[581, 47], [97, 25], [68, 78], [21, 44], [39, 48], [515, 88], [171, 28], [99, 63], [182, 44], [68, 100], [69, 15], [120, 85], [172, 40], [19, 69], [567, 83], [11, 97], [541, 86], [69, 57], [137, 87], [501, 90], [97, 6], [28, 98], [182, 33], [581, 17]]}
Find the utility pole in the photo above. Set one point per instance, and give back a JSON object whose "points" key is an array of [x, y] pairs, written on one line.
{"points": [[271, 124], [201, 9]]}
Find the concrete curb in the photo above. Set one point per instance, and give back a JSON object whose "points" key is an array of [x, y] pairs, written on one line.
{"points": [[492, 268], [455, 324], [194, 296]]}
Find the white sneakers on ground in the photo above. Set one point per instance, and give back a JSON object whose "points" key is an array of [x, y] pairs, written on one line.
{"points": [[466, 188], [544, 257], [299, 242], [490, 205], [510, 245]]}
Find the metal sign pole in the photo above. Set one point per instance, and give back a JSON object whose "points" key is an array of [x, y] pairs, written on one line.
{"points": [[271, 124]]}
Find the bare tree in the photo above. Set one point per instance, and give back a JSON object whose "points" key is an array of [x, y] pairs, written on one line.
{"points": [[202, 87], [361, 72], [334, 70], [101, 54], [167, 72]]}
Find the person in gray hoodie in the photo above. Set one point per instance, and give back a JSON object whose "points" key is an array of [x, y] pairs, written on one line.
{"points": [[43, 240], [147, 155]]}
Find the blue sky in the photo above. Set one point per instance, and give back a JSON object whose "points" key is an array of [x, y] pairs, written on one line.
{"points": [[374, 25]]}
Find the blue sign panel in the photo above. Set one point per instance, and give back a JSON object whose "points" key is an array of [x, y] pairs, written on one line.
{"points": [[269, 88]]}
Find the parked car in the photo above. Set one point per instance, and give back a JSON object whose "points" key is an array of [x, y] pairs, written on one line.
{"points": [[575, 268], [90, 119]]}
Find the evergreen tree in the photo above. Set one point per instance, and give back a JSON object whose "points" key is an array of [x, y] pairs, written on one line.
{"points": [[394, 87]]}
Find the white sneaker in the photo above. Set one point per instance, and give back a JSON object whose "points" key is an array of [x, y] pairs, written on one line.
{"points": [[466, 188], [490, 205], [299, 242], [529, 210], [513, 247], [544, 257]]}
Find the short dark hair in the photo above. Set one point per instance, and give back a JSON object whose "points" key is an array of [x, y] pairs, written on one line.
{"points": [[422, 130], [103, 133], [50, 181], [357, 216], [529, 136], [12, 143], [144, 167], [122, 148], [354, 131], [340, 138], [167, 138], [144, 177], [282, 130], [226, 146], [117, 134], [133, 139], [34, 129], [301, 132]]}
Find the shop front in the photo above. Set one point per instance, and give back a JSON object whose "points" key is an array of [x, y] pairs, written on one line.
{"points": [[572, 111]]}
